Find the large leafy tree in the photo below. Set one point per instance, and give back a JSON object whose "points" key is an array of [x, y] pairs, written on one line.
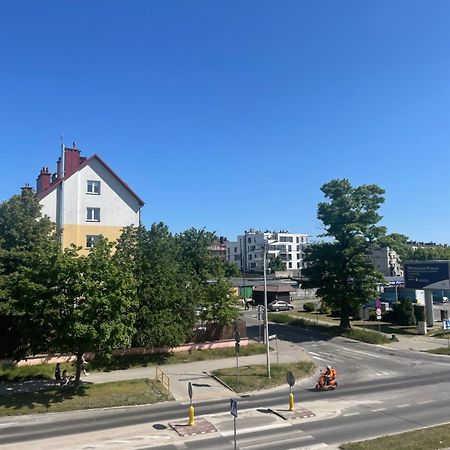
{"points": [[165, 293], [28, 247], [206, 274], [338, 267], [93, 304]]}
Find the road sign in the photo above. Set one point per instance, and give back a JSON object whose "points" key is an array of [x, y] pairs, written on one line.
{"points": [[377, 303], [233, 407], [190, 390], [446, 324], [237, 337], [378, 311], [290, 378], [378, 317]]}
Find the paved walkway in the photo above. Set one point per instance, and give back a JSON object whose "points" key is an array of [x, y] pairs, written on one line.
{"points": [[205, 386]]}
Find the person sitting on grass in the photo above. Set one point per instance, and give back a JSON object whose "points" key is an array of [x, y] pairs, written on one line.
{"points": [[65, 379]]}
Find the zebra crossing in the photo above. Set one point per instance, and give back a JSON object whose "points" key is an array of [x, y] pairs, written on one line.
{"points": [[325, 353]]}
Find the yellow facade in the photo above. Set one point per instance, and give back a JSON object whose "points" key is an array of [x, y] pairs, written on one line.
{"points": [[76, 234]]}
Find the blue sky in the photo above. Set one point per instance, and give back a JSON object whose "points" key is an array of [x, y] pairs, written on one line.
{"points": [[231, 114]]}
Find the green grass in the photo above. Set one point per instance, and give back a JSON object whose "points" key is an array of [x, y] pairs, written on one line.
{"points": [[440, 351], [385, 327], [360, 334], [427, 438], [46, 371], [254, 378], [69, 398]]}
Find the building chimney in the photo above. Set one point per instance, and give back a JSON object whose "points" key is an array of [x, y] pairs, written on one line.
{"points": [[71, 161], [43, 180]]}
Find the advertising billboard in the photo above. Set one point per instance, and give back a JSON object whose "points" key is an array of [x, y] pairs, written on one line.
{"points": [[427, 274]]}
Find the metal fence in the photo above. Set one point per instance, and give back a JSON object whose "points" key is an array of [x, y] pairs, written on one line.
{"points": [[163, 378]]}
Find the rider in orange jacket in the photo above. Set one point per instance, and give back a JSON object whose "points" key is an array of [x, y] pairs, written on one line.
{"points": [[330, 375]]}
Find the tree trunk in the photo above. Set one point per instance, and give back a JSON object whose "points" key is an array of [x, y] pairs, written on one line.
{"points": [[79, 361], [345, 316]]}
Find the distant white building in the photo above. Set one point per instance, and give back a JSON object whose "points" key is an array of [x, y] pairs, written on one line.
{"points": [[386, 261], [248, 251]]}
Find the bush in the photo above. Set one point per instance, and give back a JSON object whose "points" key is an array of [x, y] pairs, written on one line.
{"points": [[419, 313], [324, 309], [309, 306], [370, 337], [404, 312]]}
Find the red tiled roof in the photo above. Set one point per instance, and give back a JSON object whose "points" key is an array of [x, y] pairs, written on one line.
{"points": [[83, 164]]}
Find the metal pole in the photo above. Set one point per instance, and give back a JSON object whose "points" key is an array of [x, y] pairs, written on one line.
{"points": [[276, 345], [237, 369], [266, 320], [235, 433]]}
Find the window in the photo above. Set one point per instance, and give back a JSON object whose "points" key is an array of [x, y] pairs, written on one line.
{"points": [[93, 187], [290, 265], [93, 215], [91, 239]]}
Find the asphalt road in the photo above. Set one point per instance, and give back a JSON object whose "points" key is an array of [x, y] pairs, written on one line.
{"points": [[381, 391]]}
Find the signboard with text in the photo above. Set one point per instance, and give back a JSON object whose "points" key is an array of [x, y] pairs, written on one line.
{"points": [[432, 274]]}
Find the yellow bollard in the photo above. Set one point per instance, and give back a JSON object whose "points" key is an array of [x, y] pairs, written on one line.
{"points": [[191, 415], [291, 402]]}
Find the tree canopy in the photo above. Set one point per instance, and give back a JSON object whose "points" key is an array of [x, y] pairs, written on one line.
{"points": [[338, 267]]}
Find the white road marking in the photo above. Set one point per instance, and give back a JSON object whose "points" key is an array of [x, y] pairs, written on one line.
{"points": [[318, 357], [379, 409], [351, 414], [424, 402], [403, 406]]}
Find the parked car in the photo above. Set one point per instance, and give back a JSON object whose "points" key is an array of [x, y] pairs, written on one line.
{"points": [[280, 305]]}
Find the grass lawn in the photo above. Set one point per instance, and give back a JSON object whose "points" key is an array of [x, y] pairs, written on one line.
{"points": [[360, 334], [86, 396], [428, 438], [46, 371], [440, 351], [385, 327], [254, 378]]}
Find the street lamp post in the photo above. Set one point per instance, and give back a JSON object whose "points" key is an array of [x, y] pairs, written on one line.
{"points": [[266, 321]]}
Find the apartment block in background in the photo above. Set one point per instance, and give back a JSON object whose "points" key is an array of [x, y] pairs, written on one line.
{"points": [[86, 199], [248, 251]]}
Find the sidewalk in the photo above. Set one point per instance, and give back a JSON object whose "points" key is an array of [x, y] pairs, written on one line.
{"points": [[204, 386]]}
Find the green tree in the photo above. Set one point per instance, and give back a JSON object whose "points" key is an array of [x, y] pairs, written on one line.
{"points": [[28, 247], [276, 264], [93, 306], [196, 255], [339, 268], [220, 303], [165, 291], [398, 242]]}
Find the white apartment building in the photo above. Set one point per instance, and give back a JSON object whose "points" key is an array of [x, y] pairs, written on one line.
{"points": [[86, 199], [248, 251]]}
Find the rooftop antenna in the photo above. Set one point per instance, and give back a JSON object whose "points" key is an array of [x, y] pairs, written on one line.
{"points": [[61, 193]]}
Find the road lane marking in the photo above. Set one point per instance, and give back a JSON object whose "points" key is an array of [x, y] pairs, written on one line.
{"points": [[379, 409], [318, 357], [351, 414], [403, 406], [424, 402]]}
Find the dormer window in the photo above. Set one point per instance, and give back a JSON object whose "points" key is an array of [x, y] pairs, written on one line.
{"points": [[93, 187]]}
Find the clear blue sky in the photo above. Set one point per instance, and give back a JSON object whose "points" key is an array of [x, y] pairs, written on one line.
{"points": [[231, 114]]}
